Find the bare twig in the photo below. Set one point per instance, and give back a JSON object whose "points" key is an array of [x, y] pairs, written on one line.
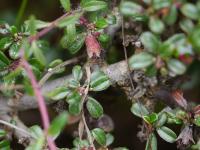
{"points": [[125, 54], [36, 87], [57, 68], [88, 74], [41, 102], [15, 127]]}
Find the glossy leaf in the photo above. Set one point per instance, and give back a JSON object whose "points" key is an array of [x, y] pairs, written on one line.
{"points": [[156, 25], [94, 5], [151, 142], [38, 53], [77, 73], [14, 51], [99, 135], [158, 4], [151, 118], [66, 4], [5, 43], [176, 66], [36, 131], [150, 41], [58, 124], [167, 134], [190, 11], [129, 8], [99, 81], [141, 60], [58, 93], [162, 119], [109, 139], [94, 107], [72, 19], [139, 110], [4, 61]]}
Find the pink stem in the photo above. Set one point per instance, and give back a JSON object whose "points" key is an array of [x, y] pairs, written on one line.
{"points": [[35, 85], [41, 102]]}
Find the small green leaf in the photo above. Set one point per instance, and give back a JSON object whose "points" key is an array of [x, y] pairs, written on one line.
{"points": [[4, 61], [71, 34], [190, 11], [38, 24], [167, 134], [151, 142], [141, 60], [150, 41], [73, 96], [162, 119], [74, 100], [78, 143], [109, 139], [156, 25], [37, 145], [101, 23], [75, 108], [66, 4], [5, 43], [76, 45], [36, 131], [2, 133], [14, 51], [77, 73], [94, 5], [176, 66], [99, 81], [99, 135], [194, 38], [4, 145], [158, 4], [58, 93], [171, 17], [129, 8], [72, 19], [55, 63], [104, 38], [186, 25], [58, 124], [94, 107], [151, 118], [73, 83], [38, 53], [139, 110]]}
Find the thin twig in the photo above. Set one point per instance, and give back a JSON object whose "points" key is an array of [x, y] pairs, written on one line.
{"points": [[41, 102], [11, 87], [88, 74], [126, 59], [125, 54], [36, 87], [57, 68], [15, 127]]}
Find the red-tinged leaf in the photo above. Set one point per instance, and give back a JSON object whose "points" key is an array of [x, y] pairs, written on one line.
{"points": [[93, 47], [180, 100]]}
